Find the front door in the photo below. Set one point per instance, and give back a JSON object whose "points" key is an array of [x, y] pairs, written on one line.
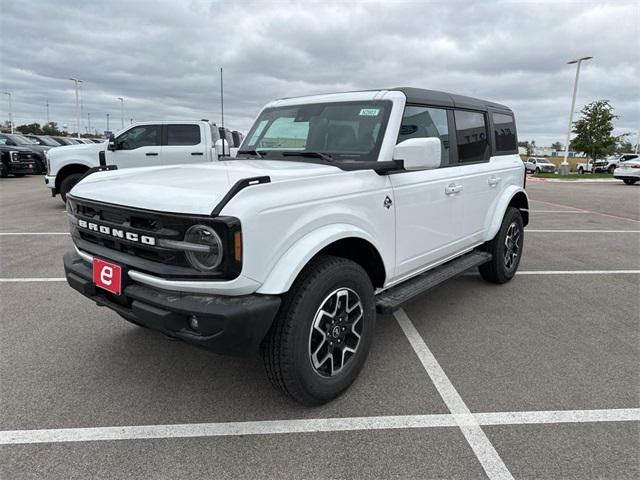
{"points": [[140, 146]]}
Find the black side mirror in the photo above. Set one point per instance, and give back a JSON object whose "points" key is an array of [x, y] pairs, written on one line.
{"points": [[112, 143]]}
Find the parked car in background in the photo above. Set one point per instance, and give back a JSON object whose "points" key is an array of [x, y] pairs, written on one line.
{"points": [[539, 165], [43, 140], [141, 144], [628, 170], [23, 141], [608, 164], [17, 161], [63, 140]]}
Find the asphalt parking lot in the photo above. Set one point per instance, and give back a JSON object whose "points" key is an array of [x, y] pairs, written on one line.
{"points": [[534, 379]]}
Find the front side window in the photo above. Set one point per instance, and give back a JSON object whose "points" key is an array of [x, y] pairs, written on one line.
{"points": [[421, 122], [505, 132], [183, 134], [140, 136], [471, 133], [350, 131]]}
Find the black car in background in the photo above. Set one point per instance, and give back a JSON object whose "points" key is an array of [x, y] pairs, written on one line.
{"points": [[17, 161], [42, 140], [63, 140], [18, 140]]}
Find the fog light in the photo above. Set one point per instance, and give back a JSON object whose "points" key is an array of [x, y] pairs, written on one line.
{"points": [[193, 322]]}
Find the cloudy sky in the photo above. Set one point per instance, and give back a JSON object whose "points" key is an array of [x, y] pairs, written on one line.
{"points": [[164, 57]]}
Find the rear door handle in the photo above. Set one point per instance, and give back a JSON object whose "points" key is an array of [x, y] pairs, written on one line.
{"points": [[151, 154], [452, 189], [493, 181], [197, 153]]}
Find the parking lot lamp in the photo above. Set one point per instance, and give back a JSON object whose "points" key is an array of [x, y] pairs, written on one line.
{"points": [[564, 166], [10, 112], [121, 112], [76, 81], [107, 122]]}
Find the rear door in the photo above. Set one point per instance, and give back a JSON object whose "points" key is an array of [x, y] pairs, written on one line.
{"points": [[138, 146], [184, 143]]}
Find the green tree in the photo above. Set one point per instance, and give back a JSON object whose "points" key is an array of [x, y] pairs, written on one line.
{"points": [[527, 146], [30, 128], [51, 128], [557, 146], [594, 130], [624, 145]]}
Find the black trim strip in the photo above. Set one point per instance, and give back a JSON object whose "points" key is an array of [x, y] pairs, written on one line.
{"points": [[237, 187], [100, 168]]}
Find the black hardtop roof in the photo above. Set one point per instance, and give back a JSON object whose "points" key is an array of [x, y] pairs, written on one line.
{"points": [[434, 97]]}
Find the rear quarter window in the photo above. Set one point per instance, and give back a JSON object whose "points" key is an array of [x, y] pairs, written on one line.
{"points": [[504, 128]]}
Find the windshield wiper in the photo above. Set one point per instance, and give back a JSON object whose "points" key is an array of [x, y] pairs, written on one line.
{"points": [[255, 153], [324, 156]]}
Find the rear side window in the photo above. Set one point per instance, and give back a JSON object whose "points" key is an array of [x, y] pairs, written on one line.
{"points": [[421, 122], [183, 134], [504, 128], [472, 139]]}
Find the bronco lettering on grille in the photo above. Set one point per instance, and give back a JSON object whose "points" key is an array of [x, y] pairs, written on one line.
{"points": [[116, 232]]}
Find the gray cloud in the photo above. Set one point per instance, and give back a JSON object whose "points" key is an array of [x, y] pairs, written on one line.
{"points": [[163, 56]]}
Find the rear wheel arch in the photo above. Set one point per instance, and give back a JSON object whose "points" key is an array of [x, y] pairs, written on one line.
{"points": [[521, 202]]}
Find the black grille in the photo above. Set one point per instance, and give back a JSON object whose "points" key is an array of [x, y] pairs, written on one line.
{"points": [[136, 254]]}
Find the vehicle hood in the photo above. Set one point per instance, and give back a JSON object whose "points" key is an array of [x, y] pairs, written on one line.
{"points": [[84, 148], [191, 188], [15, 148]]}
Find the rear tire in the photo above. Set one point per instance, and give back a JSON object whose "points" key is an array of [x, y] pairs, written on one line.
{"points": [[611, 169], [505, 248], [68, 183], [320, 339], [629, 181], [580, 171], [3, 171]]}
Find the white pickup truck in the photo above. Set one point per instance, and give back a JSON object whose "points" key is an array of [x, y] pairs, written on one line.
{"points": [[141, 144], [337, 206]]}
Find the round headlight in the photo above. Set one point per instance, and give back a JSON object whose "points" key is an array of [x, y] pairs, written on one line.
{"points": [[206, 260]]}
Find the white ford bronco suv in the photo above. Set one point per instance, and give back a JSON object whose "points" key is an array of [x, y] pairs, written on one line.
{"points": [[336, 207], [141, 144]]}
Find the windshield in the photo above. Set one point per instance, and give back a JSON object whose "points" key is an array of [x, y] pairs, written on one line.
{"points": [[340, 131], [20, 140]]}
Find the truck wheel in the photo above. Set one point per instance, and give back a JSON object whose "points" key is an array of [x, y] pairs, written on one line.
{"points": [[537, 171], [68, 183], [611, 169], [629, 181], [321, 337], [506, 249], [580, 170], [3, 171]]}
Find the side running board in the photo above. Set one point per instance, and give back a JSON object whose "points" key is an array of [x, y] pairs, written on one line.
{"points": [[393, 298]]}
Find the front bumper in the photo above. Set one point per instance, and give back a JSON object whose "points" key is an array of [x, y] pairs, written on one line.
{"points": [[50, 181], [22, 168], [228, 325]]}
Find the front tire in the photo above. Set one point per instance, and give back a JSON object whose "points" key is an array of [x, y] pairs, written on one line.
{"points": [[580, 171], [68, 183], [629, 181], [505, 248], [611, 169], [320, 339]]}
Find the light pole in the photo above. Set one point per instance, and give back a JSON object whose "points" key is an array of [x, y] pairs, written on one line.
{"points": [[10, 112], [89, 121], [564, 166], [107, 122], [76, 81], [47, 112], [121, 112]]}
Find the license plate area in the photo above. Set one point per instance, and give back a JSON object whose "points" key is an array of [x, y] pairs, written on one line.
{"points": [[107, 275]]}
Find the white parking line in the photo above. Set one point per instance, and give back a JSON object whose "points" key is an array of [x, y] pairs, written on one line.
{"points": [[313, 425], [577, 272], [581, 231], [557, 211], [493, 465], [19, 280], [7, 234]]}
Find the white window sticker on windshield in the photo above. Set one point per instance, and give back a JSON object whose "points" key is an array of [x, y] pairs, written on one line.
{"points": [[258, 131], [369, 112]]}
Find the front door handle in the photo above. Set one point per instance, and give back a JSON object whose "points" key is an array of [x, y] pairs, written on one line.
{"points": [[197, 153], [151, 154], [493, 181], [452, 189]]}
